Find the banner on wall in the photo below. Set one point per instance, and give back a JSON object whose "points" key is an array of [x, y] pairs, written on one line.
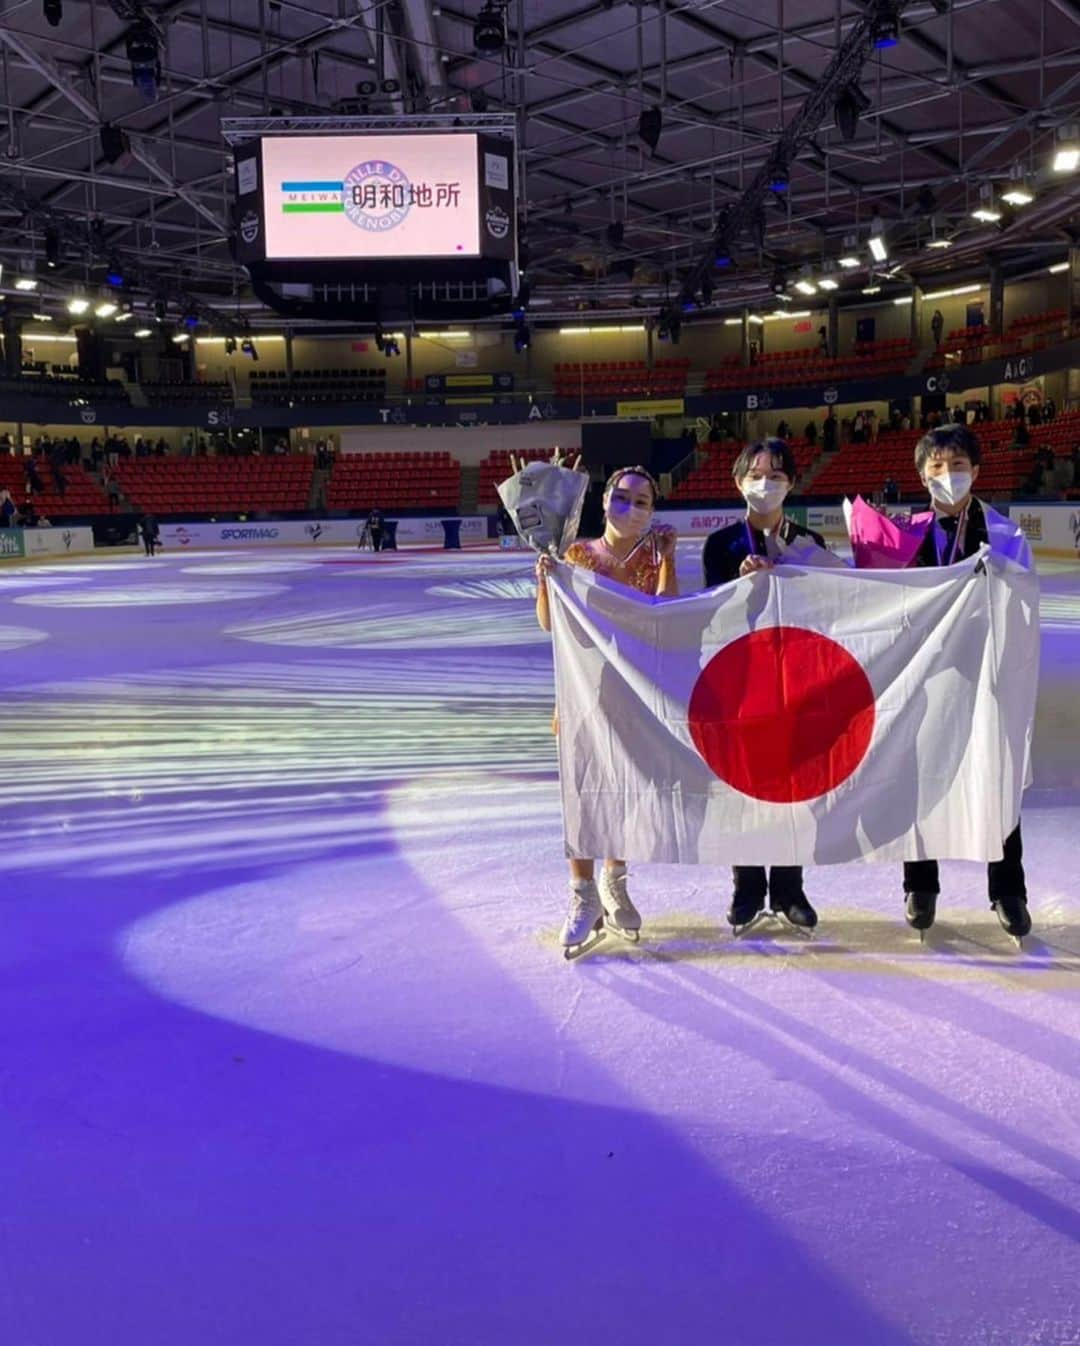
{"points": [[313, 533], [1050, 528], [57, 541], [672, 406], [11, 543]]}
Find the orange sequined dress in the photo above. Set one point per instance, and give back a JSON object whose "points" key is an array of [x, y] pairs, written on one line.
{"points": [[640, 570]]}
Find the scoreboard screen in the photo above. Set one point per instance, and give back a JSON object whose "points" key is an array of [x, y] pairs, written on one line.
{"points": [[370, 198]]}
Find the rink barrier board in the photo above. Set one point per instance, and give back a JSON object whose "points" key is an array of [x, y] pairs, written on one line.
{"points": [[1053, 529], [21, 543], [314, 533]]}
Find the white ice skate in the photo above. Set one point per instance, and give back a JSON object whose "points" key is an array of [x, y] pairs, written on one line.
{"points": [[620, 914], [585, 918]]}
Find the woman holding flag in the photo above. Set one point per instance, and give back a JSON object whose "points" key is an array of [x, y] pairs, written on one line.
{"points": [[634, 552]]}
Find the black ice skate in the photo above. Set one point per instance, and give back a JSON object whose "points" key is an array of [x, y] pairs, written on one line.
{"points": [[745, 913], [1012, 912], [797, 913], [920, 909]]}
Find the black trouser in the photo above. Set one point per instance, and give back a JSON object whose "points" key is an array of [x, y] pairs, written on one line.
{"points": [[376, 539], [783, 885], [1004, 877]]}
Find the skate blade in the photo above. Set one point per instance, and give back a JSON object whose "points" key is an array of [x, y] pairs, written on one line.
{"points": [[775, 918], [572, 952], [630, 936]]}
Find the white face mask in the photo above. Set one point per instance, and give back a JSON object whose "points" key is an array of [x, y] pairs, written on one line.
{"points": [[628, 520], [951, 488], [764, 496]]}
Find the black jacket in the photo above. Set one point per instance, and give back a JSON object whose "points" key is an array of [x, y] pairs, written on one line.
{"points": [[974, 537], [727, 548]]}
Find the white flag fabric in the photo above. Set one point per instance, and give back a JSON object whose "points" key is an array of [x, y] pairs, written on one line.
{"points": [[801, 715]]}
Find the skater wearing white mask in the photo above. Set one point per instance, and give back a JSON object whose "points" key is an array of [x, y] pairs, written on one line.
{"points": [[635, 552], [764, 473]]}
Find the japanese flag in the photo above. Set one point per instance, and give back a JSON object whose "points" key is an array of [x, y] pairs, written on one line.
{"points": [[801, 715]]}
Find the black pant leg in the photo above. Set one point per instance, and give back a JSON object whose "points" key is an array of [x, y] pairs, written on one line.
{"points": [[749, 883], [1005, 877], [785, 884], [921, 876]]}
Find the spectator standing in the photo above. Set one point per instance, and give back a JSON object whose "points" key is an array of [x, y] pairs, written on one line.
{"points": [[828, 432], [810, 433], [937, 326], [8, 511]]}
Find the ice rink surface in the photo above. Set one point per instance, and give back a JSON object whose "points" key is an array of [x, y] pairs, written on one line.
{"points": [[291, 1058]]}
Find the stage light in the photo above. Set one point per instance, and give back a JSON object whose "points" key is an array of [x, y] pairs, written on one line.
{"points": [[105, 309], [78, 305], [1018, 196], [53, 11], [126, 316], [614, 233], [144, 55], [489, 30], [1067, 155], [885, 27], [52, 245], [849, 106], [806, 287], [1058, 268], [114, 143], [940, 243], [827, 283], [987, 214], [180, 338], [521, 338], [778, 284], [848, 262], [247, 347], [143, 332], [230, 345], [779, 176], [650, 124], [878, 250], [26, 283], [871, 289]]}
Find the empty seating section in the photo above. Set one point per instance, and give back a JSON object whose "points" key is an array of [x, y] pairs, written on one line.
{"points": [[800, 367], [712, 480], [1053, 321], [394, 481], [496, 467], [621, 378], [273, 387], [60, 382], [1030, 331], [864, 468], [178, 394], [266, 485], [82, 495]]}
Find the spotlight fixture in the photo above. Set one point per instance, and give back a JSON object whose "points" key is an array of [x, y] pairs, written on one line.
{"points": [[522, 337], [885, 28], [849, 106], [52, 245], [144, 53], [391, 348], [669, 327], [114, 274], [489, 29], [1067, 154], [247, 346], [778, 284], [230, 345], [161, 308], [779, 175], [650, 123], [986, 211], [380, 339], [53, 11], [114, 143]]}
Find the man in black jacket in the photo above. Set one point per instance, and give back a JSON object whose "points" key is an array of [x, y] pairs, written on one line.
{"points": [[947, 460], [764, 474]]}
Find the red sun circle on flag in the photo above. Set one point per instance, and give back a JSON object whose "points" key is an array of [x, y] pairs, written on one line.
{"points": [[782, 714]]}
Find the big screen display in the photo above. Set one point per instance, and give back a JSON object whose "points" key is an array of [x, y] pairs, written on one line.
{"points": [[373, 196]]}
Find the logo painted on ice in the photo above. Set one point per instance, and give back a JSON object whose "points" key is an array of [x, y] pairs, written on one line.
{"points": [[376, 196]]}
